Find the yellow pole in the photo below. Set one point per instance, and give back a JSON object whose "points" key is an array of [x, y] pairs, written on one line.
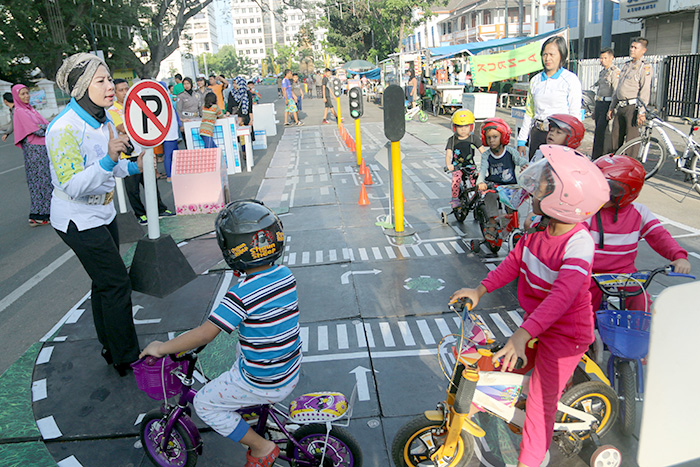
{"points": [[397, 184], [358, 141], [337, 101]]}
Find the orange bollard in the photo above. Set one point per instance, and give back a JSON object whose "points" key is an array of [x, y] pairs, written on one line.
{"points": [[364, 201], [404, 197], [368, 177], [363, 168]]}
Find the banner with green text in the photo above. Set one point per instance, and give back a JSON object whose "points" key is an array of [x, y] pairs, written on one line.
{"points": [[505, 65]]}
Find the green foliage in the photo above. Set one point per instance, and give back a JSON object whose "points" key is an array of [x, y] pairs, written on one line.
{"points": [[226, 62], [371, 30]]}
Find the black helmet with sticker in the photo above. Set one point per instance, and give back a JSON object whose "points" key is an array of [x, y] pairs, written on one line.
{"points": [[249, 235]]}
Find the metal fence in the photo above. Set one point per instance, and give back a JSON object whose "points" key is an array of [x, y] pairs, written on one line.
{"points": [[682, 86]]}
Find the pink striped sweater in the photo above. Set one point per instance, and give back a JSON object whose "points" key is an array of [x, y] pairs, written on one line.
{"points": [[553, 277], [634, 222]]}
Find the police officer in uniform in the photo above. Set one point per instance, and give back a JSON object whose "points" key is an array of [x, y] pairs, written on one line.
{"points": [[633, 87], [607, 82]]}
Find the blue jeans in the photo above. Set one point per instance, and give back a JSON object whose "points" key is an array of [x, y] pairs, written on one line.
{"points": [[168, 148], [299, 99], [208, 142]]}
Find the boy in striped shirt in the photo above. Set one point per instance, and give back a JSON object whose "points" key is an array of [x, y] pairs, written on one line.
{"points": [[265, 310], [553, 268]]}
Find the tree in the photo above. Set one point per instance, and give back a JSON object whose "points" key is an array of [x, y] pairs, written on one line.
{"points": [[226, 62], [135, 34]]}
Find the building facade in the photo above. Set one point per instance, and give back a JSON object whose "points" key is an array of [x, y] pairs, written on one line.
{"points": [[671, 26]]}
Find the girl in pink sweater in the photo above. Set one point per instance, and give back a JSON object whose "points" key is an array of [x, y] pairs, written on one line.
{"points": [[553, 268], [619, 226]]}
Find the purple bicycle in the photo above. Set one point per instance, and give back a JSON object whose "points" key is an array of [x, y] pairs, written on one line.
{"points": [[310, 433]]}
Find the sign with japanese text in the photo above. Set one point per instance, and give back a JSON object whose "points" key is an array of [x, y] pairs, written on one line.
{"points": [[498, 67]]}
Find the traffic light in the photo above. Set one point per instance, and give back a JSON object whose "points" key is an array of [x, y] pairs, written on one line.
{"points": [[337, 87], [355, 98]]}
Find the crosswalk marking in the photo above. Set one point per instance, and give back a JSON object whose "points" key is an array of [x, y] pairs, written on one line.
{"points": [[457, 248], [417, 250], [425, 332], [360, 333], [369, 335], [442, 326], [333, 255], [323, 338], [430, 249], [363, 254], [342, 331], [292, 258], [319, 256], [502, 326], [406, 333], [515, 316], [304, 336], [390, 252], [443, 248], [377, 254], [404, 251], [305, 257], [386, 335]]}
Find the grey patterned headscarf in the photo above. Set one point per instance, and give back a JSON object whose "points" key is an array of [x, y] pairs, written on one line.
{"points": [[76, 73]]}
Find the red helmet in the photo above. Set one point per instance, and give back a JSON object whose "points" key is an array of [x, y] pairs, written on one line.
{"points": [[500, 126], [625, 176], [571, 125]]}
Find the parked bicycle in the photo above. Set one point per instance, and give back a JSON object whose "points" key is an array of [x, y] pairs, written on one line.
{"points": [[412, 111], [626, 335], [505, 225], [445, 437], [170, 437], [467, 196], [652, 153]]}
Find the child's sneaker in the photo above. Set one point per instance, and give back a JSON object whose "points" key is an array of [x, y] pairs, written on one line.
{"points": [[166, 213], [266, 461], [454, 204], [325, 122], [143, 220]]}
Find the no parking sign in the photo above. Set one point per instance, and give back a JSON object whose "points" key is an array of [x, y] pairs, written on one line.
{"points": [[147, 113]]}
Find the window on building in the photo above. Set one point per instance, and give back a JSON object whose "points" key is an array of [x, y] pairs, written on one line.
{"points": [[238, 31], [247, 41], [449, 27], [245, 31], [487, 17], [549, 11], [240, 42], [259, 20], [238, 21], [247, 52], [206, 46], [260, 30], [463, 23], [473, 15], [245, 20]]}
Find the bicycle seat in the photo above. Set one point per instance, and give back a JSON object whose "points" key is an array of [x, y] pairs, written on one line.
{"points": [[318, 407]]}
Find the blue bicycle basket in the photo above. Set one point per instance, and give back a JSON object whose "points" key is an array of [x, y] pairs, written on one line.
{"points": [[626, 333]]}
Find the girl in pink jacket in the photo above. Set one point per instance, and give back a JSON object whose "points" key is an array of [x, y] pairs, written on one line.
{"points": [[619, 226], [553, 268]]}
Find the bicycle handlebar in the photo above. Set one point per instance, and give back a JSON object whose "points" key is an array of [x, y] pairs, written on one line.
{"points": [[614, 284], [190, 355]]}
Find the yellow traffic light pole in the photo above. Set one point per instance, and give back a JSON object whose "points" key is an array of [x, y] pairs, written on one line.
{"points": [[358, 141], [397, 185], [337, 101]]}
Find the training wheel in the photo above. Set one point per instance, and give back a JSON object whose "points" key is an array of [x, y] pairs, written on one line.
{"points": [[475, 245], [606, 456], [443, 217]]}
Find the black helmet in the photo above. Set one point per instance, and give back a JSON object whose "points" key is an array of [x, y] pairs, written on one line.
{"points": [[249, 235]]}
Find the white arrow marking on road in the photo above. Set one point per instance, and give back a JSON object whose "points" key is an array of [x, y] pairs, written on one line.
{"points": [[360, 373], [345, 278], [135, 309]]}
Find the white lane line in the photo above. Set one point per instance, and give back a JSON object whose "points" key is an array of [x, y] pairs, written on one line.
{"points": [[69, 462], [360, 332], [342, 331], [11, 170], [515, 316], [430, 249], [75, 316], [425, 331], [324, 191], [356, 355], [443, 248], [323, 338], [60, 323], [48, 428], [40, 276], [139, 418], [376, 252], [692, 253], [387, 336], [44, 356], [39, 390], [491, 266], [370, 336], [292, 259], [390, 252], [505, 330], [319, 256], [304, 335], [406, 333]]}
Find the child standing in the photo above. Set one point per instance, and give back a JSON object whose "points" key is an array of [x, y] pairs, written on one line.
{"points": [[553, 268], [459, 151], [265, 310], [619, 226], [498, 162], [210, 113]]}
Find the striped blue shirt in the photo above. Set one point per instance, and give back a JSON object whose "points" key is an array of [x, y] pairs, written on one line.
{"points": [[265, 309]]}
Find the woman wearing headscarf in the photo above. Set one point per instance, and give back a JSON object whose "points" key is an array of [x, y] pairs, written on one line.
{"points": [[84, 149], [189, 103], [29, 130]]}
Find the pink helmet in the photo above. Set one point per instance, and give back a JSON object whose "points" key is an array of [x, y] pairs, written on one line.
{"points": [[568, 185]]}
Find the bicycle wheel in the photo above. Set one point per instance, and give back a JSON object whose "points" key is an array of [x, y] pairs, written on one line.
{"points": [[180, 450], [420, 437], [595, 398], [489, 229], [342, 449], [649, 151], [627, 389], [694, 165], [422, 116]]}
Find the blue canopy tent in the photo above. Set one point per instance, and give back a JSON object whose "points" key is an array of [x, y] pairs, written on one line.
{"points": [[369, 74]]}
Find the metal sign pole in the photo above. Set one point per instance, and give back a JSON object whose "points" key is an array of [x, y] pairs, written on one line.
{"points": [[149, 186]]}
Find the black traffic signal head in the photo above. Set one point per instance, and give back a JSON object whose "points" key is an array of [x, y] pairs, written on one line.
{"points": [[355, 98], [337, 87]]}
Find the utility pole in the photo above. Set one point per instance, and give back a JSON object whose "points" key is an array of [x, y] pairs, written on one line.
{"points": [[582, 8], [506, 20], [520, 17], [533, 17], [606, 38]]}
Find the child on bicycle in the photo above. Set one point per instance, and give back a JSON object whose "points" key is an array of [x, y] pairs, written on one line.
{"points": [[265, 310], [459, 151], [619, 226], [498, 162], [553, 268]]}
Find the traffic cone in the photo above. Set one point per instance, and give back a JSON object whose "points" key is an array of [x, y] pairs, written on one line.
{"points": [[363, 168], [368, 177], [404, 197], [364, 201]]}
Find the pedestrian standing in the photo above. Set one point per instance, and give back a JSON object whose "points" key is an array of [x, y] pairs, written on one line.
{"points": [[9, 102], [607, 82], [633, 88], [29, 128], [290, 106], [318, 81], [210, 114], [297, 90], [327, 97], [202, 88], [84, 149], [554, 90], [189, 103], [179, 87]]}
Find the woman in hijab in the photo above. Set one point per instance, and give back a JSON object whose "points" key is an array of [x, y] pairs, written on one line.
{"points": [[29, 130], [189, 103], [84, 149]]}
